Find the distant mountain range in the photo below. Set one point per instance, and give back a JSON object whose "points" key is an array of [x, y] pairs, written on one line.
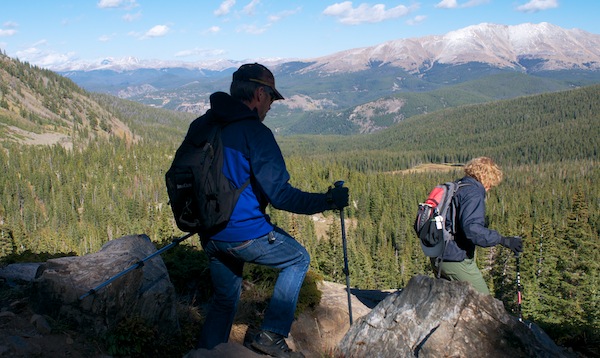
{"points": [[333, 94], [526, 47], [497, 45]]}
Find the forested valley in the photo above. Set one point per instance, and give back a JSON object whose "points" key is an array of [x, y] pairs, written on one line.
{"points": [[58, 200]]}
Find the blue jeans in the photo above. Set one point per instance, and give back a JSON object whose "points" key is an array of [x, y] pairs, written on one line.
{"points": [[227, 260]]}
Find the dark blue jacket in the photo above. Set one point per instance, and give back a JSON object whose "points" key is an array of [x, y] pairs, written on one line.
{"points": [[470, 222], [250, 151]]}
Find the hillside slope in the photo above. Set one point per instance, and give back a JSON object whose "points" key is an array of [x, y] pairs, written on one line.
{"points": [[532, 129], [38, 106], [384, 112]]}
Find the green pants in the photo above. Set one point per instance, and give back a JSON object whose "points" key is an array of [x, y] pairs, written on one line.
{"points": [[465, 270]]}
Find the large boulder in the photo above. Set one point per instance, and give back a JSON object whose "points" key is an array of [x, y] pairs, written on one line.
{"points": [[315, 333], [18, 272], [437, 318], [145, 292]]}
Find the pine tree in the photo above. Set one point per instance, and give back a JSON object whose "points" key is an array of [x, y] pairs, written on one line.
{"points": [[582, 273]]}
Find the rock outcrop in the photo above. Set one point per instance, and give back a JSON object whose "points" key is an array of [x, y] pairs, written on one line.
{"points": [[315, 333], [145, 292], [438, 318], [428, 318]]}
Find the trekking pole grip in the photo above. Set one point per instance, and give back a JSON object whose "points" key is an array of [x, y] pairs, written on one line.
{"points": [[339, 184]]}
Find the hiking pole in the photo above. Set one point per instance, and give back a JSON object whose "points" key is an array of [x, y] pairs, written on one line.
{"points": [[138, 264], [339, 184], [519, 297]]}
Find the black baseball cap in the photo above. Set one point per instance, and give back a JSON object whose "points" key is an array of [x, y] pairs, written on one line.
{"points": [[255, 72]]}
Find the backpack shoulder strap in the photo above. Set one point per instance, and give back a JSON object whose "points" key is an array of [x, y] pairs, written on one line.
{"points": [[214, 122], [461, 184], [452, 207], [445, 204]]}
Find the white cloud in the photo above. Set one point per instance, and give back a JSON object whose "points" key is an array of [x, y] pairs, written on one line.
{"points": [[103, 4], [8, 29], [104, 38], [453, 4], [132, 17], [283, 14], [253, 29], [224, 8], [538, 5], [7, 32], [200, 52], [249, 9], [416, 20], [447, 4], [40, 43], [45, 59], [127, 4], [349, 15], [472, 3], [156, 31], [212, 30]]}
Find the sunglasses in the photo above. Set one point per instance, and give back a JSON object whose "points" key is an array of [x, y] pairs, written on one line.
{"points": [[271, 93]]}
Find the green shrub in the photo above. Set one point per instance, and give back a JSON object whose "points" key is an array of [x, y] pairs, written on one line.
{"points": [[188, 270], [131, 338], [263, 278], [30, 256], [310, 295]]}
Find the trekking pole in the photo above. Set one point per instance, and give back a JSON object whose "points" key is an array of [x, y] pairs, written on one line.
{"points": [[138, 264], [339, 184], [519, 297]]}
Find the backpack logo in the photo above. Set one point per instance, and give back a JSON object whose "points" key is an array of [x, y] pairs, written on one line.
{"points": [[430, 223], [201, 197]]}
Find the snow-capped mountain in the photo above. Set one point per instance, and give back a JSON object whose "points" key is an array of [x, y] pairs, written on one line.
{"points": [[359, 84], [500, 46], [132, 64]]}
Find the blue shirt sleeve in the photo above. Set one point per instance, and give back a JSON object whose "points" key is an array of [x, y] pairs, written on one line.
{"points": [[270, 173]]}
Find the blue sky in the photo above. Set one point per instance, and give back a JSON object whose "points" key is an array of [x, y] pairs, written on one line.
{"points": [[50, 33]]}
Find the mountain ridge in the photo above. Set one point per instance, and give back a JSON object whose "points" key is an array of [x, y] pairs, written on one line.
{"points": [[381, 85], [496, 44], [337, 86]]}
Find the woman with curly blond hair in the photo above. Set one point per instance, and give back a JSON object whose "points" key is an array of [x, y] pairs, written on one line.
{"points": [[458, 264]]}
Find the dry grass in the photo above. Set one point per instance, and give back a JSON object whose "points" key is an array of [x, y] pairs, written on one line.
{"points": [[323, 223], [430, 167]]}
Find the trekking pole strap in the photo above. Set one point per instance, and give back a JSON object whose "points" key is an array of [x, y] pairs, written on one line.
{"points": [[438, 265]]}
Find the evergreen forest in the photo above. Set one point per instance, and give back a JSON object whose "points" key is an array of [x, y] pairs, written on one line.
{"points": [[60, 200]]}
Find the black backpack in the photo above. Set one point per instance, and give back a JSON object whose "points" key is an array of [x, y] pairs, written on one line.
{"points": [[430, 222], [201, 197]]}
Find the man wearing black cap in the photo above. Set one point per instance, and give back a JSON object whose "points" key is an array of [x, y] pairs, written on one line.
{"points": [[251, 152]]}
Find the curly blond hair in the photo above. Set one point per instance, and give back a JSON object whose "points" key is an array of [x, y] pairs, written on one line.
{"points": [[485, 171]]}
